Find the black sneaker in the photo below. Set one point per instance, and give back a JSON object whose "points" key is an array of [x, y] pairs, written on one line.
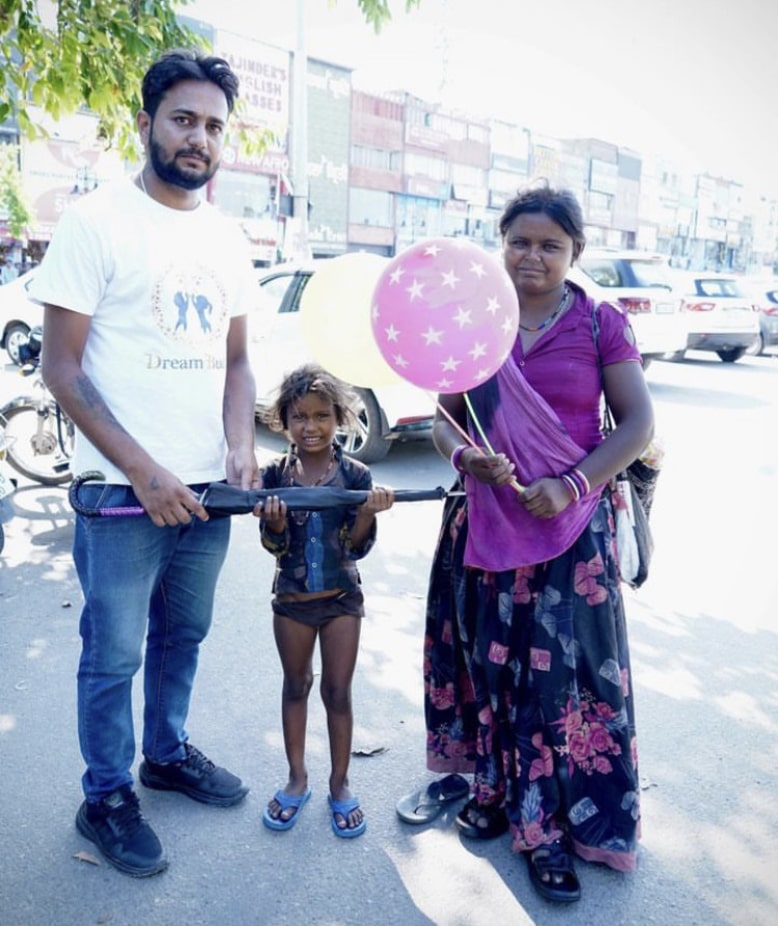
{"points": [[117, 827], [197, 777]]}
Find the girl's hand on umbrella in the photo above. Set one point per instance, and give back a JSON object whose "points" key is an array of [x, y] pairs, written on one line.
{"points": [[274, 513], [379, 498]]}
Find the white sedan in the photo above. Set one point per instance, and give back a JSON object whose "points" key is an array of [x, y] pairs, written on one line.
{"points": [[18, 314], [639, 283], [719, 316]]}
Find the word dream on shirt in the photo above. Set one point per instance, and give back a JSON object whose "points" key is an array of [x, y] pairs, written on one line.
{"points": [[208, 362]]}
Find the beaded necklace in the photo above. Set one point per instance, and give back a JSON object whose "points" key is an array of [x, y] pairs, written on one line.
{"points": [[320, 480], [551, 318]]}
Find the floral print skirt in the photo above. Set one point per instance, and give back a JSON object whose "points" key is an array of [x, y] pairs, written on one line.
{"points": [[539, 656], [449, 696]]}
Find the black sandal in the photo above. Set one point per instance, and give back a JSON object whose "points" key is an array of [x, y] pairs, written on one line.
{"points": [[552, 873], [481, 821], [426, 804]]}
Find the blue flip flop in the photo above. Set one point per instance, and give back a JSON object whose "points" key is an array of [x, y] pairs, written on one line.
{"points": [[344, 808], [287, 801]]}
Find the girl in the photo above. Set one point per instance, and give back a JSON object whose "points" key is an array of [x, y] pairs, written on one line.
{"points": [[317, 586]]}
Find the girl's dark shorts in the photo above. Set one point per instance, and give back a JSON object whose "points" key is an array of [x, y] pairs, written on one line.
{"points": [[320, 611]]}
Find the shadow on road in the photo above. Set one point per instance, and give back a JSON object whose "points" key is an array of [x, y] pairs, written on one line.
{"points": [[707, 699]]}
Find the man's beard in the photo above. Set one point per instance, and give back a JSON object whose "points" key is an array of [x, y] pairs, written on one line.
{"points": [[170, 172]]}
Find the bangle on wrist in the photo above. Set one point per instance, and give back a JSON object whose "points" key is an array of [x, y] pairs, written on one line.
{"points": [[456, 457], [572, 486], [583, 482]]}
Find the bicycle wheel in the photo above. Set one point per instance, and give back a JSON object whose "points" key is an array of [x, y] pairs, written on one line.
{"points": [[39, 440]]}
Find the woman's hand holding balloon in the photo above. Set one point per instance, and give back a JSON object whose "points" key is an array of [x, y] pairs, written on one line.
{"points": [[490, 468]]}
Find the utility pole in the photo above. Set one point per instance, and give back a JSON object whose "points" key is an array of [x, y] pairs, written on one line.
{"points": [[298, 248]]}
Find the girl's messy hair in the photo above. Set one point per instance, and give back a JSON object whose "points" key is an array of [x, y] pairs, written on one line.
{"points": [[310, 378]]}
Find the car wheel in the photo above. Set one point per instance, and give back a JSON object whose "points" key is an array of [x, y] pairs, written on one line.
{"points": [[732, 354], [364, 440], [15, 335], [757, 347]]}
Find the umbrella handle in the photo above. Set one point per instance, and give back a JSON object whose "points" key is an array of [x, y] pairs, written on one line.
{"points": [[94, 475]]}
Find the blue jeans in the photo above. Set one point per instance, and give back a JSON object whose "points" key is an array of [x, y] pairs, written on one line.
{"points": [[139, 580]]}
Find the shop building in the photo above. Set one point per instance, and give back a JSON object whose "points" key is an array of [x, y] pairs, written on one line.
{"points": [[386, 170]]}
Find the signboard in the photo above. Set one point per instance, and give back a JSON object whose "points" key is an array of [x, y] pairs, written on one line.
{"points": [[263, 72], [71, 162]]}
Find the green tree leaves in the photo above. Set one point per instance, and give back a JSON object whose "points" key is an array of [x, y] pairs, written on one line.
{"points": [[12, 199], [62, 55], [74, 53], [377, 12]]}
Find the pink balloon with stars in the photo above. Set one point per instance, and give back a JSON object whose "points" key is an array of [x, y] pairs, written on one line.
{"points": [[445, 314]]}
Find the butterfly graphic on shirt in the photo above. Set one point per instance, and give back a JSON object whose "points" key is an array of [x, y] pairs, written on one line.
{"points": [[190, 307]]}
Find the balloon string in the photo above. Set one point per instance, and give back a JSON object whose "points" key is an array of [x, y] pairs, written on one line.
{"points": [[477, 423], [458, 427], [514, 483]]}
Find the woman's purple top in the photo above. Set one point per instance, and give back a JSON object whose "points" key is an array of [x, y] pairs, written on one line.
{"points": [[546, 419], [562, 364]]}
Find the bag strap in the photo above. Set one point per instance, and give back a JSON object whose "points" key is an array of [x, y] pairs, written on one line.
{"points": [[607, 424]]}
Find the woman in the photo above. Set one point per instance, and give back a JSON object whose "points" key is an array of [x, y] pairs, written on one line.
{"points": [[548, 667]]}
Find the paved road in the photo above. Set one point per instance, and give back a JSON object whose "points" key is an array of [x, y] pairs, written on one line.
{"points": [[704, 637]]}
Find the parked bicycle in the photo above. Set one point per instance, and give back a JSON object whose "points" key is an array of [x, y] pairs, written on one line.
{"points": [[39, 435]]}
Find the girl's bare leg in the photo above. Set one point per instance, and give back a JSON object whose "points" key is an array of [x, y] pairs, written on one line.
{"points": [[339, 642], [295, 642]]}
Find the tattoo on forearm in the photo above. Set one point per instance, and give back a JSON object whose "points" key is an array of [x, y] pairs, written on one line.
{"points": [[94, 402]]}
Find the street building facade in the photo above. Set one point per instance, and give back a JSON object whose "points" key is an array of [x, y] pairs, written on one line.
{"points": [[387, 169]]}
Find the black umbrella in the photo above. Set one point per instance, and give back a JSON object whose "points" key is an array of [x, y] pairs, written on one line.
{"points": [[221, 499]]}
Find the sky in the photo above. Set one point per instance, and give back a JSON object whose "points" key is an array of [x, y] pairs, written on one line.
{"points": [[694, 80]]}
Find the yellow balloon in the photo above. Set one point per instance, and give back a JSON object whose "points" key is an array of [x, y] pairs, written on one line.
{"points": [[335, 316]]}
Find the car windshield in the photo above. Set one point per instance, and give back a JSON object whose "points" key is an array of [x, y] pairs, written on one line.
{"points": [[718, 287], [273, 290], [650, 273], [618, 273]]}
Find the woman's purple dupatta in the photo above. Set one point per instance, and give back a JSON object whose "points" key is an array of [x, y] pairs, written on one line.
{"points": [[501, 533]]}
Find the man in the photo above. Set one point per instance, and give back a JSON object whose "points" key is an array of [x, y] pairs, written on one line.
{"points": [[8, 271], [161, 409]]}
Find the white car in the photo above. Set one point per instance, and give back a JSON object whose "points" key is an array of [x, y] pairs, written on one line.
{"points": [[18, 314], [763, 293], [719, 316], [640, 283], [277, 346]]}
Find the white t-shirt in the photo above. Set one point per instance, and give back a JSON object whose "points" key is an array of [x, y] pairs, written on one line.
{"points": [[161, 286]]}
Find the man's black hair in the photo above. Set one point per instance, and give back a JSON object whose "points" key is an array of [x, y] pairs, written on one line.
{"points": [[186, 64]]}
